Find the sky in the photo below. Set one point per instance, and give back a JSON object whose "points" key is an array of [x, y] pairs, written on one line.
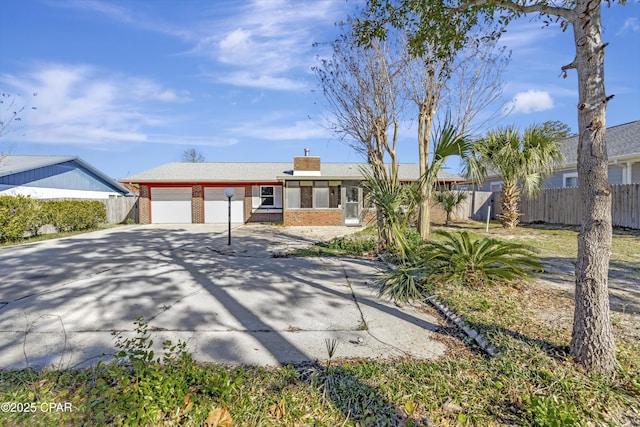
{"points": [[130, 85]]}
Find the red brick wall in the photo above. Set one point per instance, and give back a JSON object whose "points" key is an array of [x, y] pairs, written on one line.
{"points": [[265, 217], [313, 217], [143, 205], [306, 164], [197, 204]]}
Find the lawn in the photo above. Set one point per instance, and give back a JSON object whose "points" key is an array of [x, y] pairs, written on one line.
{"points": [[533, 382]]}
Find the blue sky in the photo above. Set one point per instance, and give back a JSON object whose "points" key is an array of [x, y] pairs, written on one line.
{"points": [[129, 85]]}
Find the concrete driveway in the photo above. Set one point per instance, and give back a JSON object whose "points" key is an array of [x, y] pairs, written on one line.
{"points": [[62, 300]]}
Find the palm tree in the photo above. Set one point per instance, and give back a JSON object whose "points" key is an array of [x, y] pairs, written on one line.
{"points": [[394, 203], [447, 141], [521, 160], [450, 200]]}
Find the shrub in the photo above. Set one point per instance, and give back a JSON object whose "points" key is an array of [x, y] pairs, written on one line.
{"points": [[74, 215], [354, 247], [461, 260], [18, 215]]}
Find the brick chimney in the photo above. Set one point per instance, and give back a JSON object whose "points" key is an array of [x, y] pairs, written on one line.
{"points": [[306, 165]]}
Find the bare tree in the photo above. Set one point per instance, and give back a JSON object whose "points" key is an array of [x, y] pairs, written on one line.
{"points": [[192, 156], [466, 84], [362, 88], [11, 113]]}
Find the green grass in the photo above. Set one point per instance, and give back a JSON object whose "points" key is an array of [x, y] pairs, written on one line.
{"points": [[532, 383]]}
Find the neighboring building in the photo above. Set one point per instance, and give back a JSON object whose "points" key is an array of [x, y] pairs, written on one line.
{"points": [[623, 148], [55, 177], [304, 192]]}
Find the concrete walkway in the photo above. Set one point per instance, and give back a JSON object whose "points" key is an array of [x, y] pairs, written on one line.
{"points": [[62, 300]]}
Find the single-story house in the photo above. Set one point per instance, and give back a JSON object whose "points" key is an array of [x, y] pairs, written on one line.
{"points": [[623, 148], [305, 192], [55, 177]]}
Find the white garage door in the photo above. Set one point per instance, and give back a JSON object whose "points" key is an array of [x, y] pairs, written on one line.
{"points": [[216, 206], [171, 205]]}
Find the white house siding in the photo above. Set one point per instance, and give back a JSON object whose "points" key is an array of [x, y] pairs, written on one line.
{"points": [[54, 193]]}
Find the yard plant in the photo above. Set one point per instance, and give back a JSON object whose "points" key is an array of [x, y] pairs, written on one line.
{"points": [[22, 216], [522, 160], [461, 259]]}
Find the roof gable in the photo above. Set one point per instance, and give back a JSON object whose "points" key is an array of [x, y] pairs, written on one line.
{"points": [[55, 172]]}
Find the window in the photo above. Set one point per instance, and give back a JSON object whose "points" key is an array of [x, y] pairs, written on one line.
{"points": [[293, 195], [321, 194], [570, 179], [266, 196]]}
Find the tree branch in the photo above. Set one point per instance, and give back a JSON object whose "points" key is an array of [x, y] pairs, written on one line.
{"points": [[568, 14]]}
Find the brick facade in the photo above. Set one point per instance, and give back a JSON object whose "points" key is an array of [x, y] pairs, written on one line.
{"points": [[306, 164], [265, 217], [144, 205], [313, 217], [197, 204]]}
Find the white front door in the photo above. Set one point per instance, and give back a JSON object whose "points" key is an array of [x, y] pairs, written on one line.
{"points": [[216, 205]]}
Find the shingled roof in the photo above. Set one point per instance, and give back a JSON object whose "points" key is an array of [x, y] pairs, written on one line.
{"points": [[262, 171], [622, 141]]}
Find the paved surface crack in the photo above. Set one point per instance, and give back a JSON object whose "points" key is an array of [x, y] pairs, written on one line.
{"points": [[365, 326]]}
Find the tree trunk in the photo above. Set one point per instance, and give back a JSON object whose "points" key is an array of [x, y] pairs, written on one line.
{"points": [[592, 342], [509, 200], [425, 119]]}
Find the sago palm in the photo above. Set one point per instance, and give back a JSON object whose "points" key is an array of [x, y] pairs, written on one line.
{"points": [[460, 259], [523, 161], [475, 262]]}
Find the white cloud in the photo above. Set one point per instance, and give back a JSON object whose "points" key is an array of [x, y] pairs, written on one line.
{"points": [[300, 130], [631, 24], [268, 41], [247, 79], [529, 102], [265, 43], [81, 104]]}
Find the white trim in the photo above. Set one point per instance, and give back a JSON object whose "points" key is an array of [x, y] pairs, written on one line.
{"points": [[568, 175], [54, 193]]}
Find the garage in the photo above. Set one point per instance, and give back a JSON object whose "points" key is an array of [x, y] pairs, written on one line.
{"points": [[171, 205], [216, 205]]}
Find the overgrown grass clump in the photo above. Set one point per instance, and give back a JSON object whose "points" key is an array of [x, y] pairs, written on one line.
{"points": [[340, 246]]}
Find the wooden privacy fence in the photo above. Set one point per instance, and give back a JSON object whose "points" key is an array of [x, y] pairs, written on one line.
{"points": [[120, 209], [474, 206], [562, 206]]}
